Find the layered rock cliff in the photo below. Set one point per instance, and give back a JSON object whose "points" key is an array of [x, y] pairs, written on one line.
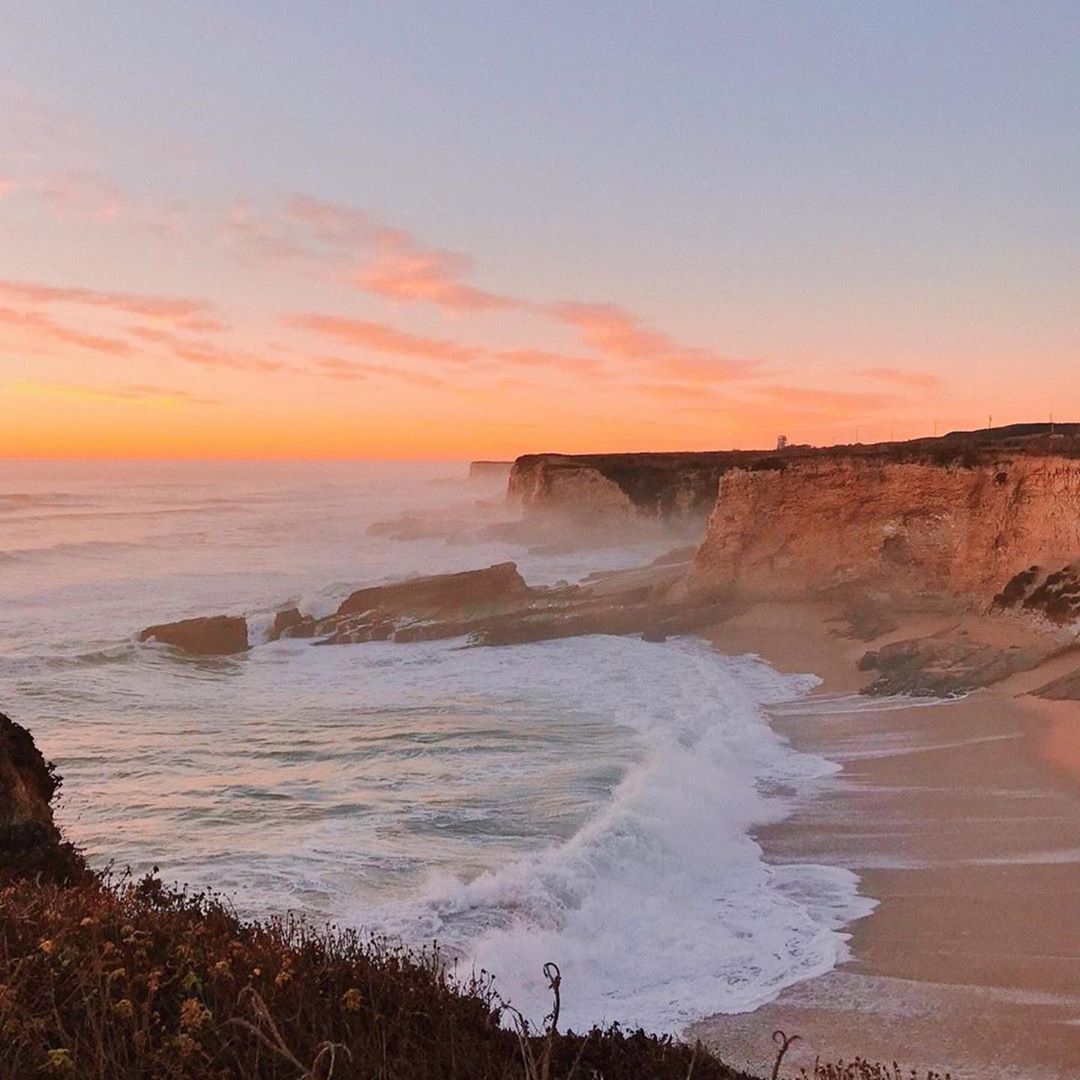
{"points": [[959, 518], [601, 485]]}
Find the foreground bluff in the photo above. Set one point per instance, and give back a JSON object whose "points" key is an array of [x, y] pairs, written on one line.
{"points": [[30, 843], [958, 519]]}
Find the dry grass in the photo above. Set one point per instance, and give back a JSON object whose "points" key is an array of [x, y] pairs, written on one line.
{"points": [[116, 980]]}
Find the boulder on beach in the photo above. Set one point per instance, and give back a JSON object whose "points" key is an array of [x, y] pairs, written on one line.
{"points": [[213, 635], [30, 843]]}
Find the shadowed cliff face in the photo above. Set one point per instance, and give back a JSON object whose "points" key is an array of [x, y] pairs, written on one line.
{"points": [[958, 528], [30, 843], [662, 486]]}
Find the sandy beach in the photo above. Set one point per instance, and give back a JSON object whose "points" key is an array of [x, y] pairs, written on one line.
{"points": [[962, 818]]}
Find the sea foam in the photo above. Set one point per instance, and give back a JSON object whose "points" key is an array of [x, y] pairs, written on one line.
{"points": [[660, 908]]}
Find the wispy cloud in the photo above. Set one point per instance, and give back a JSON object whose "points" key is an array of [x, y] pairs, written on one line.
{"points": [[40, 331], [380, 338], [195, 314], [126, 394]]}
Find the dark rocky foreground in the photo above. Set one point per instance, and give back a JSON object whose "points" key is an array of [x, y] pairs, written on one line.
{"points": [[30, 843]]}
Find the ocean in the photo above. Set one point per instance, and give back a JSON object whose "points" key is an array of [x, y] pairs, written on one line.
{"points": [[588, 801]]}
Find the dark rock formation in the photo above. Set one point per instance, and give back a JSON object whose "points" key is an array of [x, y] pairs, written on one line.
{"points": [[441, 594], [30, 843], [290, 623], [947, 665], [1055, 596], [1063, 689], [214, 635], [496, 607]]}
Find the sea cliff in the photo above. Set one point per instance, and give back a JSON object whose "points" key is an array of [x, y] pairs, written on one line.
{"points": [[587, 486], [955, 528]]}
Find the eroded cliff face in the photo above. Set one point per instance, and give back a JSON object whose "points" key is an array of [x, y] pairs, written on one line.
{"points": [[656, 486], [958, 528]]}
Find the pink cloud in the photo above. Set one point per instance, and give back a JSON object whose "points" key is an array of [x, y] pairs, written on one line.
{"points": [[390, 261], [408, 272], [43, 331], [621, 335], [170, 309], [383, 339], [614, 331]]}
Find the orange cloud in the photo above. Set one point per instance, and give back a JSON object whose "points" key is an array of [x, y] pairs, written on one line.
{"points": [[383, 339], [612, 330], [7, 186]]}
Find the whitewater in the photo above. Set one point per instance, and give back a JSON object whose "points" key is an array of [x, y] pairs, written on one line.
{"points": [[590, 801]]}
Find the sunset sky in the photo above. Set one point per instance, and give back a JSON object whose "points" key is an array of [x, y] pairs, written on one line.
{"points": [[451, 230]]}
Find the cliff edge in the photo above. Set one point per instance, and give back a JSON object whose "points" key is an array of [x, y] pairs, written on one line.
{"points": [[916, 521], [30, 843]]}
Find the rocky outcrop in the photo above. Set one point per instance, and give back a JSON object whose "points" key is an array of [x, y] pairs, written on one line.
{"points": [[30, 843], [1055, 595], [654, 486], [490, 470], [946, 665], [291, 623], [495, 606], [441, 605], [949, 518], [440, 594], [214, 635], [1066, 688]]}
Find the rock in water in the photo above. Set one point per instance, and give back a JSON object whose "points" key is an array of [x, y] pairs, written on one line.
{"points": [[30, 843], [214, 635], [291, 623], [443, 594]]}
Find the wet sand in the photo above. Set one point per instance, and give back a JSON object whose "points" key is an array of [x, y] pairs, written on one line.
{"points": [[963, 820]]}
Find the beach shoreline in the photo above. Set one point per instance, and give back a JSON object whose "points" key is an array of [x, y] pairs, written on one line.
{"points": [[970, 963]]}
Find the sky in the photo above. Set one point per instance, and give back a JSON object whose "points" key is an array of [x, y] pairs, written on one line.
{"points": [[461, 230]]}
